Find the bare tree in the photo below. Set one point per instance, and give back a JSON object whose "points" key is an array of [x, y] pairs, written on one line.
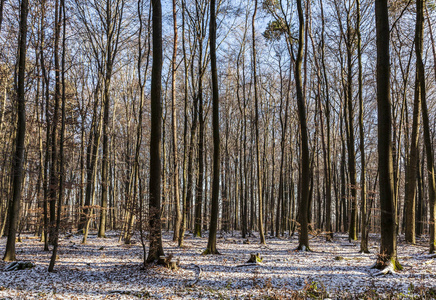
{"points": [[178, 219], [387, 258], [211, 244], [18, 160], [256, 103], [156, 249]]}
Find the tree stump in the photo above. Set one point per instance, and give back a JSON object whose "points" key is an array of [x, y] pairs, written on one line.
{"points": [[167, 263]]}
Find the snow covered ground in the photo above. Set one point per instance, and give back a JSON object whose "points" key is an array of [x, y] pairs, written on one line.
{"points": [[105, 269]]}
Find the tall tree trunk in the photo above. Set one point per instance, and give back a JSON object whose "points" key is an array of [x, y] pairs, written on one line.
{"points": [[412, 162], [388, 243], [326, 144], [156, 249], [352, 232], [178, 219], [54, 175], [303, 237], [200, 157], [363, 226], [426, 122], [17, 168], [256, 121], [211, 244], [186, 151], [62, 142]]}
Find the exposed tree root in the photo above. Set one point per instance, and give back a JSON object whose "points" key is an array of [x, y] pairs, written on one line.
{"points": [[303, 248], [387, 266]]}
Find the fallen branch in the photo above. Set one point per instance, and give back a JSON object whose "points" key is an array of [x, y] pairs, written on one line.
{"points": [[19, 265], [198, 277]]}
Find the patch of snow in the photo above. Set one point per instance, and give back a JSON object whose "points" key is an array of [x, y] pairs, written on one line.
{"points": [[105, 269]]}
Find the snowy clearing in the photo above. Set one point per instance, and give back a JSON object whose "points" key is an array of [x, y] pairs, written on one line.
{"points": [[105, 269]]}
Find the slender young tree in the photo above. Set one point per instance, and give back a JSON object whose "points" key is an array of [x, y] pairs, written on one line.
{"points": [[352, 232], [256, 108], [113, 18], [363, 229], [187, 156], [412, 162], [54, 166], [178, 219], [326, 145], [18, 159], [211, 244], [387, 258], [156, 248], [62, 143]]}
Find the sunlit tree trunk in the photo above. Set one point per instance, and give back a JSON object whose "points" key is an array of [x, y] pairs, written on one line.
{"points": [[211, 244], [412, 162], [388, 244], [178, 218]]}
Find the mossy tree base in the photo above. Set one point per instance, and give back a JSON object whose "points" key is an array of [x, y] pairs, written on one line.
{"points": [[210, 252], [387, 266]]}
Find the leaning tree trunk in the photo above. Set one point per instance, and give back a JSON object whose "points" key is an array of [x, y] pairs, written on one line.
{"points": [[17, 168], [388, 244]]}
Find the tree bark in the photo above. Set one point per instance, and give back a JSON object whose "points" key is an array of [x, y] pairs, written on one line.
{"points": [[426, 124], [388, 243], [211, 244], [303, 237], [352, 232], [62, 142], [156, 249]]}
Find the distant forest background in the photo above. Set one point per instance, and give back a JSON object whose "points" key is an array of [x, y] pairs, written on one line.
{"points": [[299, 127]]}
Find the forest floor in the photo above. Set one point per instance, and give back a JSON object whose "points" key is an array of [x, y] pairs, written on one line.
{"points": [[105, 269]]}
